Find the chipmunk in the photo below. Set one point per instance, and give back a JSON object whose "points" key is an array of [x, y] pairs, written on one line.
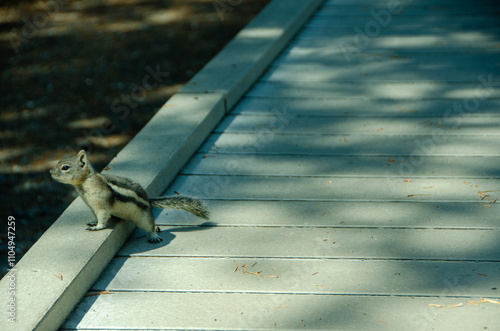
{"points": [[112, 196]]}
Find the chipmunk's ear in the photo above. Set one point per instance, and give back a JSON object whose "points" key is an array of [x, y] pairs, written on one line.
{"points": [[82, 158]]}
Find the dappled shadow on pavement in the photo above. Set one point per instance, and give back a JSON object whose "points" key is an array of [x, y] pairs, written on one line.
{"points": [[91, 74]]}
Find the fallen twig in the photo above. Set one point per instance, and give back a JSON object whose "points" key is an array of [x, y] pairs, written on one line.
{"points": [[483, 300], [236, 268], [484, 205], [483, 195], [448, 306], [259, 274]]}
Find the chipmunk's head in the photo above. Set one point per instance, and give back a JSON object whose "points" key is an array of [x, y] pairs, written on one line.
{"points": [[73, 170]]}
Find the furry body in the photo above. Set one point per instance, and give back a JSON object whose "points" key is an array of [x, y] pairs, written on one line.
{"points": [[112, 196]]}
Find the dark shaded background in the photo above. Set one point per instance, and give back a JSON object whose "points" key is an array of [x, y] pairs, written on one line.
{"points": [[73, 76]]}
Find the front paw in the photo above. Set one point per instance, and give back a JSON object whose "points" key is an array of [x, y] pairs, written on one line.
{"points": [[93, 223], [95, 228]]}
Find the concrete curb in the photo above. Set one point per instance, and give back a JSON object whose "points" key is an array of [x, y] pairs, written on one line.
{"points": [[63, 264]]}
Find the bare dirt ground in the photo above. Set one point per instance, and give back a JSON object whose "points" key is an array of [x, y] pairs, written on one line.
{"points": [[74, 75]]}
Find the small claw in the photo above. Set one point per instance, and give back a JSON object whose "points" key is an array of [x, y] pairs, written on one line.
{"points": [[93, 223], [155, 240]]}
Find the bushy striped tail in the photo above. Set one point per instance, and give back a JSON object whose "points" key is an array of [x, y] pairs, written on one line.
{"points": [[194, 206]]}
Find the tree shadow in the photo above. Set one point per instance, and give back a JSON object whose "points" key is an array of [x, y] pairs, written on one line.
{"points": [[73, 76]]}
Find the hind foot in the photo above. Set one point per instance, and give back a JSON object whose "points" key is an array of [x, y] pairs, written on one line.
{"points": [[154, 238]]}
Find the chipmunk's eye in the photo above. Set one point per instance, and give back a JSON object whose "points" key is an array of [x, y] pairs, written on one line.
{"points": [[65, 167]]}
